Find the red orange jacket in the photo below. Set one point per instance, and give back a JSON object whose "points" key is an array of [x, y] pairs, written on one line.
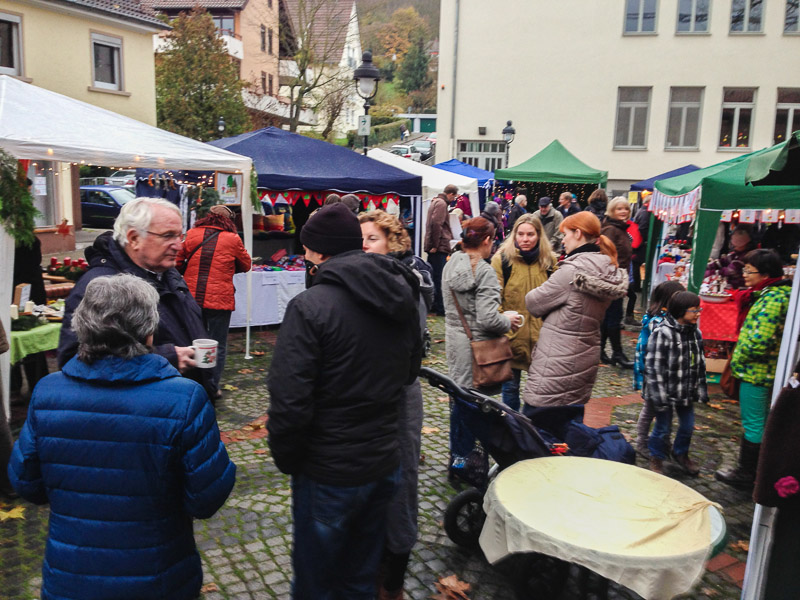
{"points": [[209, 273]]}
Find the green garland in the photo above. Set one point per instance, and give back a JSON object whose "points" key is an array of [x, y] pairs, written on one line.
{"points": [[17, 211]]}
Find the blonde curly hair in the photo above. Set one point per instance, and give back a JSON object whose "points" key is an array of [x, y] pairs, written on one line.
{"points": [[397, 239]]}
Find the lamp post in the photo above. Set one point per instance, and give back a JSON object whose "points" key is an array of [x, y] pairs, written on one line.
{"points": [[508, 137], [221, 125], [366, 77]]}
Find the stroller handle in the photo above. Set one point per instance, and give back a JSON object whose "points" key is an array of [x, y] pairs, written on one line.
{"points": [[446, 384]]}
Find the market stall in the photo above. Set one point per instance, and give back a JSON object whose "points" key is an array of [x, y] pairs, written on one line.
{"points": [[485, 178], [38, 124]]}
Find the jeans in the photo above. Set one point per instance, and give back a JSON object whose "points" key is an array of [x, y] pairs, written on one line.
{"points": [[613, 317], [462, 441], [511, 390], [338, 537], [657, 444], [754, 406], [437, 261], [217, 323]]}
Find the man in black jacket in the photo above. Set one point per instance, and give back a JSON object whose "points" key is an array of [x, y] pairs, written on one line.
{"points": [[347, 346], [145, 243]]}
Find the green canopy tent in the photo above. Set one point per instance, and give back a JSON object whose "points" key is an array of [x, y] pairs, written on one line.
{"points": [[554, 164], [761, 180]]}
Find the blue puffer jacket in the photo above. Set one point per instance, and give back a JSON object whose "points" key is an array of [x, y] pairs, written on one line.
{"points": [[126, 452]]}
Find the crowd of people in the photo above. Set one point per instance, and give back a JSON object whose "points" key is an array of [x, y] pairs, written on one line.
{"points": [[146, 447]]}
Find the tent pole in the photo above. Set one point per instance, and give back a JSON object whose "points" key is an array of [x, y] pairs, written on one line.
{"points": [[6, 285], [247, 226]]}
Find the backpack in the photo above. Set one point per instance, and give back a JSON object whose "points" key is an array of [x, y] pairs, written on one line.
{"points": [[606, 442]]}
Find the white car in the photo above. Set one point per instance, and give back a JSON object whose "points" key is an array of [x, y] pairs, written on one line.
{"points": [[125, 179], [406, 151]]}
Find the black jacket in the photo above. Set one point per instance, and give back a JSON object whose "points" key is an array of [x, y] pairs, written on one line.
{"points": [[180, 319], [346, 348], [597, 208]]}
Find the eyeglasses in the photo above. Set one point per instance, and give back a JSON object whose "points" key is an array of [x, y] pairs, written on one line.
{"points": [[167, 237], [697, 309], [749, 272]]}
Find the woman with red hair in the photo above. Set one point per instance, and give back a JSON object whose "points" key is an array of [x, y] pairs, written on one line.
{"points": [[572, 304]]}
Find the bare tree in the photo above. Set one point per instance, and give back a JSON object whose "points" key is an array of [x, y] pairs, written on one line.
{"points": [[333, 104]]}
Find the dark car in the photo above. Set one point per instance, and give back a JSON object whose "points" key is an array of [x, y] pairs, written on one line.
{"points": [[425, 148], [100, 204]]}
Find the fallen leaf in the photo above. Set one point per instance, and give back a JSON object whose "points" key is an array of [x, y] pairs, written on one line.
{"points": [[260, 451], [438, 341], [209, 587], [630, 421], [708, 592], [443, 399], [451, 588], [730, 401], [258, 353], [18, 512], [741, 545], [229, 388], [255, 425], [427, 430], [246, 371], [716, 406]]}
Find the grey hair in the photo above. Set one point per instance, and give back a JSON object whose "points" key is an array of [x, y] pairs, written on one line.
{"points": [[137, 215], [614, 203], [520, 199], [115, 317]]}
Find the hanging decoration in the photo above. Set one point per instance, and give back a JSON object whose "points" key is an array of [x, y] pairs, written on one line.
{"points": [[17, 211]]}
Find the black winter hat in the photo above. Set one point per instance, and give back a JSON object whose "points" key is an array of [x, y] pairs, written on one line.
{"points": [[331, 230]]}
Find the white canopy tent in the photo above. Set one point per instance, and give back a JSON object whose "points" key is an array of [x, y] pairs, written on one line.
{"points": [[38, 124], [433, 181]]}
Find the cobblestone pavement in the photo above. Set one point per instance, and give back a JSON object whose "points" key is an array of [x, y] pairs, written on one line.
{"points": [[246, 546]]}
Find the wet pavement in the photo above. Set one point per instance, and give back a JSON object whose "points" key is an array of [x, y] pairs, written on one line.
{"points": [[246, 546]]}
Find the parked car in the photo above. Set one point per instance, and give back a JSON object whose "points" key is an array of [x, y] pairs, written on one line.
{"points": [[126, 179], [426, 149], [431, 138], [406, 151], [100, 204]]}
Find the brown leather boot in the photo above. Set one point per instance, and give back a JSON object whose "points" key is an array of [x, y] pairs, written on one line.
{"points": [[687, 464], [657, 465]]}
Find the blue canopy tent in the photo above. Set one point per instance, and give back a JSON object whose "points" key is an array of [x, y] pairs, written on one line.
{"points": [[485, 178], [647, 184]]}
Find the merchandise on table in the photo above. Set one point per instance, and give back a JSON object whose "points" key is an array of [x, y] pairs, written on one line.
{"points": [[284, 262]]}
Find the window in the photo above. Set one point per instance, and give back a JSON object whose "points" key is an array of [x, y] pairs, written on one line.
{"points": [[787, 115], [10, 59], [263, 39], [633, 104], [106, 62], [640, 16], [683, 123], [263, 82], [484, 155], [270, 88], [792, 14], [693, 16], [42, 174], [737, 113], [224, 24], [269, 41], [746, 16]]}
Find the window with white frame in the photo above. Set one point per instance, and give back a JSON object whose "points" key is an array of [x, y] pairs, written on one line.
{"points": [[693, 16], [790, 24], [747, 16], [43, 191], [737, 116], [787, 114], [683, 122], [640, 16], [633, 108], [10, 49], [106, 62], [489, 156]]}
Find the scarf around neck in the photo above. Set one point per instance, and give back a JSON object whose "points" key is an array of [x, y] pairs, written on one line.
{"points": [[529, 256], [746, 298]]}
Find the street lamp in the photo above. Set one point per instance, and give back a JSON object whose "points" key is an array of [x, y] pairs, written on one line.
{"points": [[508, 137], [221, 125], [366, 77]]}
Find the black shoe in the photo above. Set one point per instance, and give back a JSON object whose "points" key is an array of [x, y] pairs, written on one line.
{"points": [[631, 320], [8, 493], [743, 476], [619, 359], [604, 358]]}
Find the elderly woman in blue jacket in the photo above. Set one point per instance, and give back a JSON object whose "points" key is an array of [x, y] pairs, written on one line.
{"points": [[126, 451]]}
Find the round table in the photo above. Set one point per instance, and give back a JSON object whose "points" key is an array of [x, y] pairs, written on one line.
{"points": [[645, 531]]}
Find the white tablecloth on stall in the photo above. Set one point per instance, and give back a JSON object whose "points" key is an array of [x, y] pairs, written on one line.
{"points": [[645, 531], [272, 291]]}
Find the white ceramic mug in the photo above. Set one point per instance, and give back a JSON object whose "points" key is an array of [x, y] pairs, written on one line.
{"points": [[512, 313], [205, 353]]}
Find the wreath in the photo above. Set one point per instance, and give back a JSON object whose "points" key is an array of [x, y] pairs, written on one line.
{"points": [[17, 211]]}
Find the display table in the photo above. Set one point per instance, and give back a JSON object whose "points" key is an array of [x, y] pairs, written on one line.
{"points": [[718, 320], [645, 531], [272, 291], [38, 339]]}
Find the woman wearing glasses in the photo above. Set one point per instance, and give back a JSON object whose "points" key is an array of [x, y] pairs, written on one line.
{"points": [[755, 358]]}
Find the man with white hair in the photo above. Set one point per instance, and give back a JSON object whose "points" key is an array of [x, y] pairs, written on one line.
{"points": [[145, 242]]}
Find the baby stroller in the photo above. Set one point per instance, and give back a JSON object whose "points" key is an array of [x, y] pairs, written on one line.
{"points": [[508, 437]]}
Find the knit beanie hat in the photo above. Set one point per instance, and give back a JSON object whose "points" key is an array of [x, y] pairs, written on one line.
{"points": [[331, 230]]}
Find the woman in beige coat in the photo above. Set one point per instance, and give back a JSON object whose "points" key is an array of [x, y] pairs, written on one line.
{"points": [[572, 303], [523, 263]]}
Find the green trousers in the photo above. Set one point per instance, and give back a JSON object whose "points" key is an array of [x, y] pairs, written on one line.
{"points": [[754, 406]]}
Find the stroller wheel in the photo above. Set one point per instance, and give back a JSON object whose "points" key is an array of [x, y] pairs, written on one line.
{"points": [[464, 517], [536, 576]]}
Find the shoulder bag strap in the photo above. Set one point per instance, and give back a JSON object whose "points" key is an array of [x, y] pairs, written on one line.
{"points": [[200, 245], [461, 316]]}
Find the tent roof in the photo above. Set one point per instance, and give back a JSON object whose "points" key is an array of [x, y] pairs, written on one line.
{"points": [[554, 164], [461, 168], [288, 161], [647, 184], [94, 135], [433, 179], [779, 165]]}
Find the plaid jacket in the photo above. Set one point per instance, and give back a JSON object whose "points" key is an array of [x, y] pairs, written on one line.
{"points": [[756, 355], [674, 366]]}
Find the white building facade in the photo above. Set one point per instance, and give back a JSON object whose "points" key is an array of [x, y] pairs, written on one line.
{"points": [[636, 87]]}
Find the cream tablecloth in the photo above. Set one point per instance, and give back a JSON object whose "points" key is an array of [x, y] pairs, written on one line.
{"points": [[645, 531]]}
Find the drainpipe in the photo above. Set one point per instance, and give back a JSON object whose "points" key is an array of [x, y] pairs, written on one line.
{"points": [[455, 72]]}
